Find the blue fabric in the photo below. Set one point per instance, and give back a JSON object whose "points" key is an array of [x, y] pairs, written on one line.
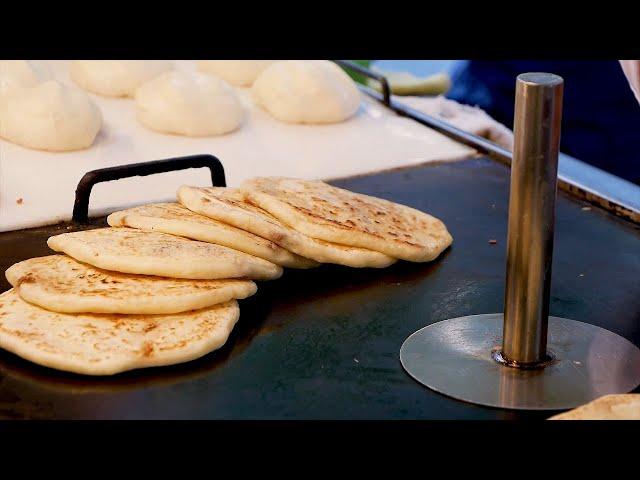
{"points": [[601, 117]]}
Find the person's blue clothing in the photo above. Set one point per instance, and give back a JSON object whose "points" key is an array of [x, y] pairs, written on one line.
{"points": [[601, 117]]}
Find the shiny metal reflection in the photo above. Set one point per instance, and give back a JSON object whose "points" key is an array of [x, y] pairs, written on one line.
{"points": [[453, 357], [559, 363], [534, 174]]}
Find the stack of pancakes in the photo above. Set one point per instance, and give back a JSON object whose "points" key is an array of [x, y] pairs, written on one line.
{"points": [[160, 285]]}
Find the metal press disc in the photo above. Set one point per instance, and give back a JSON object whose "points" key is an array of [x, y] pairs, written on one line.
{"points": [[454, 357]]}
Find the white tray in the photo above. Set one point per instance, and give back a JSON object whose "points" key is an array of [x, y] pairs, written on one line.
{"points": [[38, 188]]}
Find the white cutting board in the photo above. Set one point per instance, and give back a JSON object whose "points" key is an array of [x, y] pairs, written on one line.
{"points": [[38, 188]]}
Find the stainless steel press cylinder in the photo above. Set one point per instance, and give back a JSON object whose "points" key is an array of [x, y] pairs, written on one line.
{"points": [[534, 172]]}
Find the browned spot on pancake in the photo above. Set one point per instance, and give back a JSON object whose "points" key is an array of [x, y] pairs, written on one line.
{"points": [[172, 346], [21, 334], [147, 349], [277, 237], [119, 323], [411, 244], [150, 326], [308, 212], [28, 278]]}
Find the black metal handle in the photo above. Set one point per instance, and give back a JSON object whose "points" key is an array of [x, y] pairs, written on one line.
{"points": [[83, 191], [384, 83]]}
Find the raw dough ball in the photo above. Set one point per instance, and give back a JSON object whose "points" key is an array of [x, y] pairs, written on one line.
{"points": [[116, 78], [241, 73], [50, 116], [18, 74], [307, 91], [192, 104]]}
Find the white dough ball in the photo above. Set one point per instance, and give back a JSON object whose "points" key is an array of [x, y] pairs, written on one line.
{"points": [[241, 73], [192, 104], [307, 91], [116, 78], [50, 116], [18, 74]]}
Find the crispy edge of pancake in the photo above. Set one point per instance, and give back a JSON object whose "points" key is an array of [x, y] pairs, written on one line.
{"points": [[17, 342], [242, 214], [335, 231], [27, 284]]}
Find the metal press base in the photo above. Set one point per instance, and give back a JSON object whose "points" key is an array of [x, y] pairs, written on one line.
{"points": [[454, 357]]}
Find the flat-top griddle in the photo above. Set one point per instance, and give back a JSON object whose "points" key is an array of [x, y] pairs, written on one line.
{"points": [[324, 343]]}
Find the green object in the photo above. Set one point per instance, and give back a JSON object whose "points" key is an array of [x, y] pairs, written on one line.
{"points": [[357, 77], [405, 83]]}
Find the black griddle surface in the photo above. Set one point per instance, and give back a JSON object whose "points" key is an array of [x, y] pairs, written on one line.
{"points": [[324, 343]]}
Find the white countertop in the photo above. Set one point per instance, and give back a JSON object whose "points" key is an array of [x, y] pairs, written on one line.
{"points": [[375, 139]]}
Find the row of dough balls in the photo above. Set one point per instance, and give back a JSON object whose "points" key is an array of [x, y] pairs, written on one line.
{"points": [[41, 113], [202, 103]]}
